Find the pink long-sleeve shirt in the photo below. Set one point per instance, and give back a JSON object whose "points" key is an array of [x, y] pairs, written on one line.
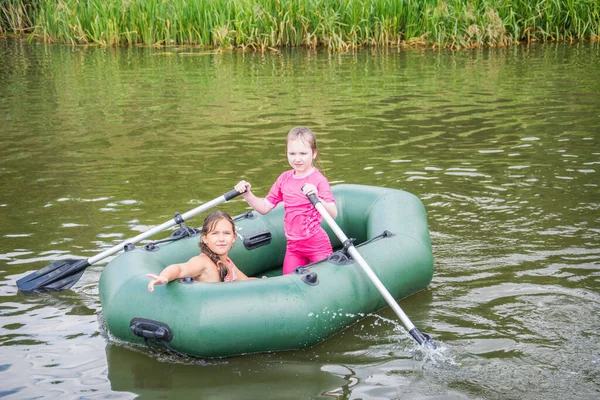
{"points": [[302, 220]]}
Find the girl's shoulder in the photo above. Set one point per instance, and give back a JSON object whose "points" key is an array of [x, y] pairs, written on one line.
{"points": [[203, 269], [201, 260], [230, 261], [318, 177], [286, 174], [318, 173], [283, 178], [200, 257]]}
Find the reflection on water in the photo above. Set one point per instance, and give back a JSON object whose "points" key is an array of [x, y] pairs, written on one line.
{"points": [[247, 378], [501, 146]]}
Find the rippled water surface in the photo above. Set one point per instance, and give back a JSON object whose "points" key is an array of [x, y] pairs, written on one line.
{"points": [[501, 145]]}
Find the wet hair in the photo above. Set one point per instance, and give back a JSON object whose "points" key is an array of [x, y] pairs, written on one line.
{"points": [[210, 222], [306, 135]]}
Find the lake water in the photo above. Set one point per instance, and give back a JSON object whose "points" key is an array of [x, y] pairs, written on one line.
{"points": [[502, 146]]}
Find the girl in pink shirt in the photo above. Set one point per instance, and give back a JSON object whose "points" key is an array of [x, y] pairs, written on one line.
{"points": [[306, 240]]}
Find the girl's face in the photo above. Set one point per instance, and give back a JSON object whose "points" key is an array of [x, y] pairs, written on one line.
{"points": [[220, 238], [300, 156]]}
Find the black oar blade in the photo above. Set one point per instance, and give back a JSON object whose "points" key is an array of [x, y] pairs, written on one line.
{"points": [[429, 342], [64, 283], [423, 339], [68, 271]]}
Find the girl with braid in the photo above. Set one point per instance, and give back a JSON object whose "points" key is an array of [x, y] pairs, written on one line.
{"points": [[213, 265]]}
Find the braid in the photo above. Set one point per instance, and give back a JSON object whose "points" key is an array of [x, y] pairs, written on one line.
{"points": [[214, 258]]}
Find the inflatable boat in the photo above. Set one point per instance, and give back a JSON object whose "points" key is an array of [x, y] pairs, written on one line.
{"points": [[388, 227]]}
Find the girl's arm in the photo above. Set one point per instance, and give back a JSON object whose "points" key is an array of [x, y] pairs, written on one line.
{"points": [[175, 271], [331, 208], [241, 276], [256, 203]]}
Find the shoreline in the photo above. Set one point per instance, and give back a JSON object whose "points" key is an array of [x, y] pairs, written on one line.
{"points": [[273, 25]]}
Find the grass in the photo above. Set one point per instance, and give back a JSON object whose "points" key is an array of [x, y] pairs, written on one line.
{"points": [[338, 25]]}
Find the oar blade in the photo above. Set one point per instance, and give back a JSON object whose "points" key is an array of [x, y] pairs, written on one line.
{"points": [[423, 339], [54, 276], [64, 283], [430, 343]]}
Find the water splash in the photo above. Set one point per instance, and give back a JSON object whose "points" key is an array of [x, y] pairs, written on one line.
{"points": [[439, 355]]}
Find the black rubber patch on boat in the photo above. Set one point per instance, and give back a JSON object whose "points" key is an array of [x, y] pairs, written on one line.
{"points": [[151, 247], [257, 239], [310, 279], [150, 329], [129, 247], [185, 231], [340, 258]]}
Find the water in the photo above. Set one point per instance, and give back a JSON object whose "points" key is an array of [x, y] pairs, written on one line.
{"points": [[501, 145]]}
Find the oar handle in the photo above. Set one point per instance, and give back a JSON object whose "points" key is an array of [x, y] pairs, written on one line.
{"points": [[313, 199], [231, 194]]}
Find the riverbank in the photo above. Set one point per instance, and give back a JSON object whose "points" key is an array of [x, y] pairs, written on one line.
{"points": [[337, 25]]}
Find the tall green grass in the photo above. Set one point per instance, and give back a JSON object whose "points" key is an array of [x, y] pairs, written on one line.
{"points": [[15, 16], [333, 24]]}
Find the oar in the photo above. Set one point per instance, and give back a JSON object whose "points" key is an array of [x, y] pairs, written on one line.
{"points": [[64, 273], [421, 338]]}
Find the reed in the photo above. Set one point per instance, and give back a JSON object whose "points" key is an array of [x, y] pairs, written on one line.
{"points": [[334, 24], [15, 16]]}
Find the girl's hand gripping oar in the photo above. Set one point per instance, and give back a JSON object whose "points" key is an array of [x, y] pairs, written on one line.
{"points": [[64, 273], [422, 339]]}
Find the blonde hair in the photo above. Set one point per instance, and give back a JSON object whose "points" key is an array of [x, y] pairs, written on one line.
{"points": [[305, 135], [209, 224]]}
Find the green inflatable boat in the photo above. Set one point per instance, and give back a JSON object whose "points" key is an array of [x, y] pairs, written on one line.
{"points": [[282, 312]]}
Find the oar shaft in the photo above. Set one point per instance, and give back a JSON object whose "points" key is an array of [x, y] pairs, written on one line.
{"points": [[365, 267], [62, 275], [157, 229]]}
